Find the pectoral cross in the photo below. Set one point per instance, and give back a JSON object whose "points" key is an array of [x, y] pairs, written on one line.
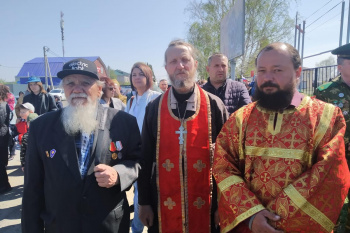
{"points": [[181, 132]]}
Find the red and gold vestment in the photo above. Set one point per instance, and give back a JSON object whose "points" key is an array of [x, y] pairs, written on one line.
{"points": [[290, 163], [184, 175]]}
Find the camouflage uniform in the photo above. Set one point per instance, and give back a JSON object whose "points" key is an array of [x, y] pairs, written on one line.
{"points": [[337, 92]]}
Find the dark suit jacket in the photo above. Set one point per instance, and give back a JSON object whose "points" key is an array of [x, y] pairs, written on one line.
{"points": [[55, 196]]}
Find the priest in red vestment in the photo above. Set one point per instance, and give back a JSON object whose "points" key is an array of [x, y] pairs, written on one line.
{"points": [[177, 192], [279, 162]]}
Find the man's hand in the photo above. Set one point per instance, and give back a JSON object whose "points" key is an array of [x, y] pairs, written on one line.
{"points": [[260, 223], [106, 176], [146, 215]]}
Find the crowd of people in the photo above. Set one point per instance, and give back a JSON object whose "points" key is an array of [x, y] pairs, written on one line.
{"points": [[202, 157]]}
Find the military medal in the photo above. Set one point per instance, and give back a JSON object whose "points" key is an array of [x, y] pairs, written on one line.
{"points": [[47, 154], [113, 149], [341, 95], [119, 145]]}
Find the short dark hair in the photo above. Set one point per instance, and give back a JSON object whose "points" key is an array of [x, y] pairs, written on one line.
{"points": [[295, 57], [216, 55], [146, 70]]}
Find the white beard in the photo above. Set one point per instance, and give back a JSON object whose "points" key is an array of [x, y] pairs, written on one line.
{"points": [[78, 117]]}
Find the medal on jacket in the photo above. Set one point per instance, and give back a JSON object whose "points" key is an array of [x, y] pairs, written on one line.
{"points": [[113, 149]]}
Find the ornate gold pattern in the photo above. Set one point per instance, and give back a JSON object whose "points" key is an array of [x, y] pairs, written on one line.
{"points": [[271, 125], [308, 208], [169, 203], [168, 165], [324, 123], [243, 217], [277, 153], [229, 181], [199, 165], [199, 202]]}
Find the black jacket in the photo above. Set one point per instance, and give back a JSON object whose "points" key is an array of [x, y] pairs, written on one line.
{"points": [[42, 103], [56, 197], [234, 94]]}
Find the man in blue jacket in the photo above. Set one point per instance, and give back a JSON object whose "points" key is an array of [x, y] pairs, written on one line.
{"points": [[234, 94]]}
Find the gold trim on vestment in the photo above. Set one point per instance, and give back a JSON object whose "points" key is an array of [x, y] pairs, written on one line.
{"points": [[324, 123], [229, 181], [239, 123], [272, 128], [157, 162], [277, 153], [211, 152], [184, 184], [308, 208], [240, 218]]}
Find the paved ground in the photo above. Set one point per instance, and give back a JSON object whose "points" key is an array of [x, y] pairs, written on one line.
{"points": [[10, 203]]}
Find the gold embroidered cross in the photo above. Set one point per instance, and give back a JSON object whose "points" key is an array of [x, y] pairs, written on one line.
{"points": [[199, 202], [199, 165], [292, 140], [168, 165], [169, 203]]}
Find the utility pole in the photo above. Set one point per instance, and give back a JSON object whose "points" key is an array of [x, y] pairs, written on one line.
{"points": [[299, 27], [295, 31], [302, 43], [45, 60], [47, 68], [62, 30], [341, 23], [348, 31]]}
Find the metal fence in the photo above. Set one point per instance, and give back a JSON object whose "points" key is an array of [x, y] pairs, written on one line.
{"points": [[314, 77]]}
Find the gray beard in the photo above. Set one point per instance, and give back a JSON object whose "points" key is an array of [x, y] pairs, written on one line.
{"points": [[80, 118]]}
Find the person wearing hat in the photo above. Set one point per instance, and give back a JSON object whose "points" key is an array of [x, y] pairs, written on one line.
{"points": [[42, 101], [80, 161], [31, 117], [21, 125], [337, 92]]}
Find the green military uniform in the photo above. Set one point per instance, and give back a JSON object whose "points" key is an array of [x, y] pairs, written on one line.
{"points": [[337, 92]]}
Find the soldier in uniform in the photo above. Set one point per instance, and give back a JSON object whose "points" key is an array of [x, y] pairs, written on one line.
{"points": [[337, 92]]}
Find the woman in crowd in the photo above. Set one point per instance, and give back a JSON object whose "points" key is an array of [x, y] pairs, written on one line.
{"points": [[107, 98], [38, 97], [141, 80], [4, 138]]}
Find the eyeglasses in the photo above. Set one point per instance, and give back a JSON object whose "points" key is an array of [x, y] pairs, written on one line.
{"points": [[111, 88]]}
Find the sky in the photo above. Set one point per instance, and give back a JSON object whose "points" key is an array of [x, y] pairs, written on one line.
{"points": [[125, 32]]}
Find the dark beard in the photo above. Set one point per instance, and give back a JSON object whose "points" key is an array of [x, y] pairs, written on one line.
{"points": [[275, 101]]}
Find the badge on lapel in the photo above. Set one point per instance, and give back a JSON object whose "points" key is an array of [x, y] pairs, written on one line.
{"points": [[51, 154]]}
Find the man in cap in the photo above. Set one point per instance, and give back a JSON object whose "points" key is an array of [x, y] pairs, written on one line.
{"points": [[234, 94], [337, 92], [80, 161], [279, 162], [177, 192]]}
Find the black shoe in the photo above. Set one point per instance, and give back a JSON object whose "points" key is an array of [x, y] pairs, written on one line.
{"points": [[5, 190]]}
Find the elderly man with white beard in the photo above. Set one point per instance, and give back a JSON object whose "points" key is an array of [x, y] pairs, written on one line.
{"points": [[80, 161]]}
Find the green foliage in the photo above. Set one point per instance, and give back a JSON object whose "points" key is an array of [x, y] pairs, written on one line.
{"points": [[326, 62], [112, 73], [2, 81], [154, 77], [266, 21]]}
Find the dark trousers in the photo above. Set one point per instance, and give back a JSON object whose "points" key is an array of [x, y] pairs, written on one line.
{"points": [[4, 180]]}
